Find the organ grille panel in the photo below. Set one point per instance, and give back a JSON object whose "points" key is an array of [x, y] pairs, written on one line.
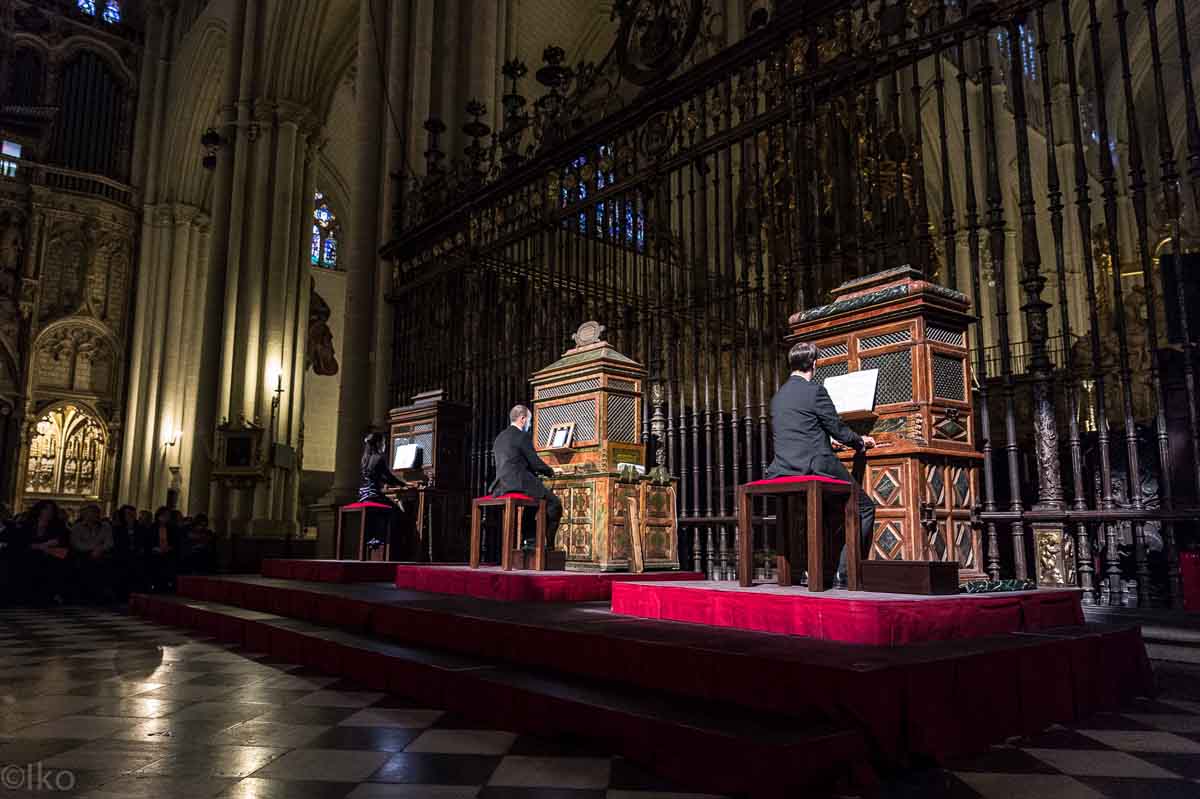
{"points": [[833, 350], [582, 413], [884, 339], [830, 370], [948, 378], [621, 422], [551, 392], [895, 376], [944, 336]]}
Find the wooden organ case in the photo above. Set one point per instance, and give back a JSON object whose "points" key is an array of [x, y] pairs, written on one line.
{"points": [[596, 393], [437, 482], [924, 472]]}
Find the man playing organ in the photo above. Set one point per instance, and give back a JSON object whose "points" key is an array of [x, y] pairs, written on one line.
{"points": [[803, 420]]}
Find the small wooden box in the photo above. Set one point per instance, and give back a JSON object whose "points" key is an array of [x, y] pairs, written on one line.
{"points": [[522, 560], [929, 577]]}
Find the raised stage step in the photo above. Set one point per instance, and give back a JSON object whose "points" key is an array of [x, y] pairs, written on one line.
{"points": [[712, 748], [923, 699]]}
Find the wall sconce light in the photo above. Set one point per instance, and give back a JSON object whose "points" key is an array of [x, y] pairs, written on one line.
{"points": [[211, 141]]}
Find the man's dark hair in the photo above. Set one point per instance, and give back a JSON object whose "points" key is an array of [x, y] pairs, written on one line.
{"points": [[802, 356]]}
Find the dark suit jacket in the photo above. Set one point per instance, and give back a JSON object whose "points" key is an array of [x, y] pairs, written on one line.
{"points": [[803, 420], [517, 465]]}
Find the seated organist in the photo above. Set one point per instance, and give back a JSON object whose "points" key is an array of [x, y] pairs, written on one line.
{"points": [[375, 472], [518, 467], [803, 420]]}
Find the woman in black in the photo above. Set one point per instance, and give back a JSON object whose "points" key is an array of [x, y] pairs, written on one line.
{"points": [[41, 549], [160, 545], [375, 472]]}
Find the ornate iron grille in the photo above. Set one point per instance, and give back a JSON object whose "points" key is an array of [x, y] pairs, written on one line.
{"points": [[622, 424], [830, 370], [944, 336], [582, 413], [833, 350], [621, 385], [949, 380], [551, 392], [884, 339], [895, 376]]}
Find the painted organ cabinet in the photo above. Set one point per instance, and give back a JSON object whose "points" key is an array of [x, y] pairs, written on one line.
{"points": [[587, 421], [924, 472]]}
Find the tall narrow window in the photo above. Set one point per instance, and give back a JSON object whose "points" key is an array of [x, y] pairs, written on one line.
{"points": [[325, 232], [112, 12]]}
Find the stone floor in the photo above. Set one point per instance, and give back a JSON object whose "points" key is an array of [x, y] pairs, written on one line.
{"points": [[95, 703]]}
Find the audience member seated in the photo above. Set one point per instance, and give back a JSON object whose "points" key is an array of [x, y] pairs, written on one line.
{"points": [[161, 547], [126, 554], [201, 545], [91, 560], [40, 551]]}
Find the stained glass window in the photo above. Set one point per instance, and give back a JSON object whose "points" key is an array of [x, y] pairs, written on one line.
{"points": [[617, 220], [87, 6], [325, 232], [112, 11]]}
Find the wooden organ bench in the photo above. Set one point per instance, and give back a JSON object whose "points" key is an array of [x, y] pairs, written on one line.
{"points": [[514, 506], [814, 489]]}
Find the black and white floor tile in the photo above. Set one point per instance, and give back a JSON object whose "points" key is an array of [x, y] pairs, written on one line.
{"points": [[97, 704], [1150, 749]]}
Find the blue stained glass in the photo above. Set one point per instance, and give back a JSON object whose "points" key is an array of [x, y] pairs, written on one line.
{"points": [[112, 12], [316, 245], [87, 6], [330, 257], [323, 215]]}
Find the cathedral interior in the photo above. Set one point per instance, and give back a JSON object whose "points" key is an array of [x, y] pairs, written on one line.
{"points": [[236, 234]]}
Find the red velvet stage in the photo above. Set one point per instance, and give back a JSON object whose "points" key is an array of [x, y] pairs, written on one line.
{"points": [[330, 571], [849, 616], [490, 582], [926, 699]]}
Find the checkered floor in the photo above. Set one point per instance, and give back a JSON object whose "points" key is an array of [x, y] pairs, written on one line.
{"points": [[97, 704], [1151, 749], [102, 705]]}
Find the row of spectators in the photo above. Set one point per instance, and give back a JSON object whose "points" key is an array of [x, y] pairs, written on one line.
{"points": [[47, 557]]}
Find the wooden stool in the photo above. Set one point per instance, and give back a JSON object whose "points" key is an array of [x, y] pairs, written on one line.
{"points": [[815, 488], [510, 525], [370, 514]]}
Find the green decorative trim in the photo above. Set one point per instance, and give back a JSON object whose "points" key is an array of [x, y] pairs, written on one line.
{"points": [[996, 586]]}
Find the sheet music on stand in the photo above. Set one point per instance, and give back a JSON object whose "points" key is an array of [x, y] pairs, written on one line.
{"points": [[853, 392]]}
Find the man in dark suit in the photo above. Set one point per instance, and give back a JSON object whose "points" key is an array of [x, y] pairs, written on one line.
{"points": [[803, 420], [518, 467]]}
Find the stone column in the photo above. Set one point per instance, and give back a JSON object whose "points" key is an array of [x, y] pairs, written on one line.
{"points": [[419, 96], [208, 373], [357, 361]]}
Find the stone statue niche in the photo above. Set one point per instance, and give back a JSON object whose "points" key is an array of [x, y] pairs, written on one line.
{"points": [[12, 248], [320, 355]]}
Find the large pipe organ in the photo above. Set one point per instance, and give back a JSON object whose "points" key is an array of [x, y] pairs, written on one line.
{"points": [[697, 207]]}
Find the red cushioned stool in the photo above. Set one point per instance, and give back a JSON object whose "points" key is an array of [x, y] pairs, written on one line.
{"points": [[814, 488], [510, 524], [372, 516]]}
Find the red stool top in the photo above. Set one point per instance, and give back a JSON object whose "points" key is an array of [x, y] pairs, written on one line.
{"points": [[511, 495], [363, 505], [799, 478]]}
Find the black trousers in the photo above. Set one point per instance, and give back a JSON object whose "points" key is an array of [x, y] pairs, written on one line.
{"points": [[866, 529], [554, 510]]}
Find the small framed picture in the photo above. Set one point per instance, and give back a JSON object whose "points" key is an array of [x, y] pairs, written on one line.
{"points": [[561, 435]]}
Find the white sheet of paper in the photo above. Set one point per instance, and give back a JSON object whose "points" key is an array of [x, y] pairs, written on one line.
{"points": [[854, 391], [405, 456]]}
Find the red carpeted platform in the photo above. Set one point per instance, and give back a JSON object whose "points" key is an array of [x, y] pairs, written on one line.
{"points": [[330, 571], [935, 699], [521, 586], [852, 617]]}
